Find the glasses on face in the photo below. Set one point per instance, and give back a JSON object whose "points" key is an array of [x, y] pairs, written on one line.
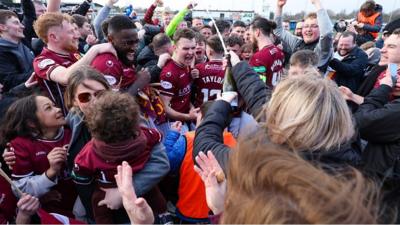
{"points": [[86, 97], [312, 26]]}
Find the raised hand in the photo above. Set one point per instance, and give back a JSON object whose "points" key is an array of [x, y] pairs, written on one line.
{"points": [[138, 210], [214, 180], [281, 3]]}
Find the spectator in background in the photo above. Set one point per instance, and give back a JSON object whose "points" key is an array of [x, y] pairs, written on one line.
{"points": [[86, 39], [299, 29], [349, 63], [15, 58], [239, 28], [224, 28], [368, 23], [197, 22], [234, 43], [373, 53], [205, 30], [316, 32], [246, 52], [200, 56], [286, 25]]}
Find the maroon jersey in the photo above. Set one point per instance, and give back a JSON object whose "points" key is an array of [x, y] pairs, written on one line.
{"points": [[43, 65], [121, 77], [209, 84], [268, 63], [8, 202], [31, 159], [176, 83], [117, 74], [90, 165]]}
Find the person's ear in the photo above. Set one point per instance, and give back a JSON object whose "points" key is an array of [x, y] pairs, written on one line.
{"points": [[3, 28]]}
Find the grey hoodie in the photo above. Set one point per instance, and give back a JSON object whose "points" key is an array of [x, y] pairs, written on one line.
{"points": [[15, 64]]}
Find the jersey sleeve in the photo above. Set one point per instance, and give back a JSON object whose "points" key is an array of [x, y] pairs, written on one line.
{"points": [[167, 82], [108, 65], [83, 171], [43, 66], [23, 164]]}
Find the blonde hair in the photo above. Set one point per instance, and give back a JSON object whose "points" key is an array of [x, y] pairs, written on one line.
{"points": [[308, 113], [47, 21], [268, 184]]}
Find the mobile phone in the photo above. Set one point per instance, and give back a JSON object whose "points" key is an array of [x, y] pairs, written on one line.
{"points": [[393, 72]]}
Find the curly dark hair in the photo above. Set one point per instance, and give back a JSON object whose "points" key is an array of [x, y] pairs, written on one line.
{"points": [[20, 120], [113, 117]]}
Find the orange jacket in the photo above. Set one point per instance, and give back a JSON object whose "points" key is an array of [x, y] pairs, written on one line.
{"points": [[369, 20], [191, 191]]}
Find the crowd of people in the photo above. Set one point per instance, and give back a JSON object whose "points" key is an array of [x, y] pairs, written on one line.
{"points": [[127, 120]]}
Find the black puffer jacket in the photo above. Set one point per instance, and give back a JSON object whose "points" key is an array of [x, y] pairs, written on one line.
{"points": [[350, 70], [147, 59]]}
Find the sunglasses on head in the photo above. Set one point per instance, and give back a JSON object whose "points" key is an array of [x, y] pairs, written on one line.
{"points": [[86, 97]]}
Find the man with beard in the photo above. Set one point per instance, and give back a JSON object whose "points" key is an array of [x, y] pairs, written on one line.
{"points": [[268, 61], [120, 71], [52, 67], [348, 63], [176, 79], [316, 31]]}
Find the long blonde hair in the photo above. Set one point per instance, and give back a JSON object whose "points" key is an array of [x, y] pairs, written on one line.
{"points": [[270, 184], [308, 113]]}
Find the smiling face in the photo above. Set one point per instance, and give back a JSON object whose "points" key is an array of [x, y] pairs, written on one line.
{"points": [[345, 45], [48, 114], [85, 93], [310, 30], [65, 36], [185, 51], [12, 29], [125, 43]]}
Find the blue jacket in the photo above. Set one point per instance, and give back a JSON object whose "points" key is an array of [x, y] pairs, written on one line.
{"points": [[175, 144]]}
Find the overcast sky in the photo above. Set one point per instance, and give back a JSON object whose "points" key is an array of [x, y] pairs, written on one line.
{"points": [[292, 5]]}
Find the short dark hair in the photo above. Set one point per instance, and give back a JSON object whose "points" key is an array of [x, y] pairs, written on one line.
{"points": [[233, 40], [200, 38], [368, 6], [349, 34], [222, 25], [239, 23], [5, 15], [79, 20], [184, 33], [206, 27], [118, 23], [160, 40], [20, 120], [215, 44], [304, 58], [104, 27], [114, 117], [266, 26]]}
